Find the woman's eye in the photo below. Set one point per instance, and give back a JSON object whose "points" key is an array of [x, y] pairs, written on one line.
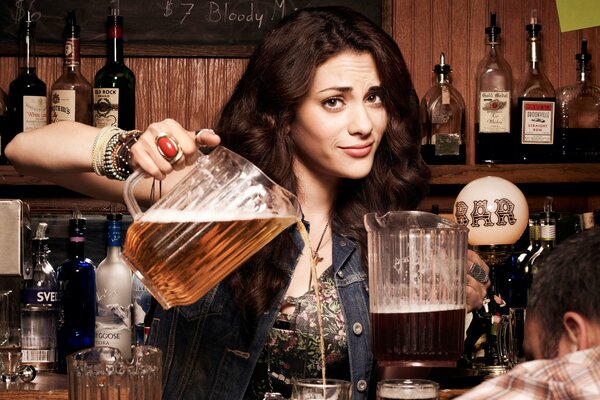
{"points": [[374, 99], [333, 103]]}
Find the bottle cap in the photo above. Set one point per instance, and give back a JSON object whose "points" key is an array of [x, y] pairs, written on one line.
{"points": [[71, 27], [442, 67], [492, 31], [584, 56], [533, 28]]}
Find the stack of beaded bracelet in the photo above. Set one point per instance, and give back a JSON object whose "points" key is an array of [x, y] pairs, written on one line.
{"points": [[111, 152]]}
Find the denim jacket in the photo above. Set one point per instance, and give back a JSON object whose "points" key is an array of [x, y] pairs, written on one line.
{"points": [[208, 354]]}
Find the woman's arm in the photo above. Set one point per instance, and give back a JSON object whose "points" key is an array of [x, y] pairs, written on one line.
{"points": [[62, 153]]}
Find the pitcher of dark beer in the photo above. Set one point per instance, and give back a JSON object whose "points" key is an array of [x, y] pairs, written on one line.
{"points": [[219, 215], [417, 298]]}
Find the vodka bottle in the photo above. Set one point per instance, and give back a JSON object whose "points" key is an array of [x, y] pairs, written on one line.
{"points": [[39, 308], [71, 98], [113, 293], [114, 83], [77, 285], [443, 119], [493, 140], [578, 116], [535, 104]]}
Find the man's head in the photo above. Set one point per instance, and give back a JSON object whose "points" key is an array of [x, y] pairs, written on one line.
{"points": [[563, 310]]}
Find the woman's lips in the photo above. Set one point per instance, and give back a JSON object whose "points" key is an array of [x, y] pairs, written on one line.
{"points": [[358, 151]]}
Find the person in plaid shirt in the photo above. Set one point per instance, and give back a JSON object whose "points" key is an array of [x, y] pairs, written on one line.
{"points": [[562, 329]]}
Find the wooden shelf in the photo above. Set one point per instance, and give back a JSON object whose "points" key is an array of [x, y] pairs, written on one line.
{"points": [[440, 174]]}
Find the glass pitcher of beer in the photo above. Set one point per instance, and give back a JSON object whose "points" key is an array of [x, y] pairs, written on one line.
{"points": [[219, 215], [417, 264]]}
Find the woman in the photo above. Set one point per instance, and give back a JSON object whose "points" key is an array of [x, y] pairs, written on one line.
{"points": [[326, 108]]}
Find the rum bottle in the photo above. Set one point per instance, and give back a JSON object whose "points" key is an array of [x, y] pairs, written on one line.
{"points": [[113, 292], [39, 307], [77, 286], [71, 98], [578, 116], [443, 119], [535, 104], [27, 93], [114, 83], [493, 140]]}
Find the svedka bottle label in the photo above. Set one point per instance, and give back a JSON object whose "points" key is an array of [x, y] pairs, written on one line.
{"points": [[62, 105], [106, 107], [537, 125], [494, 111], [34, 112]]}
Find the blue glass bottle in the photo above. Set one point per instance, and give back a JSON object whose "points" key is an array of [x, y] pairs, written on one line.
{"points": [[77, 285]]}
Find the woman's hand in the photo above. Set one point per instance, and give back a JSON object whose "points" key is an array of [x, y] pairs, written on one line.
{"points": [[476, 290], [145, 153]]}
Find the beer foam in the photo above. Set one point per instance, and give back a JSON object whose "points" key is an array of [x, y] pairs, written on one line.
{"points": [[404, 308], [412, 393], [173, 215]]}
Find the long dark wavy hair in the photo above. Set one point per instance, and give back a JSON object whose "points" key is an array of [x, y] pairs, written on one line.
{"points": [[256, 123]]}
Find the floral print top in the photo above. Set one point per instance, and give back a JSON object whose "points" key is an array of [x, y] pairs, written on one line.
{"points": [[293, 346]]}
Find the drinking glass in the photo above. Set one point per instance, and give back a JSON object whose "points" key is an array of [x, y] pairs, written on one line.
{"points": [[102, 373], [314, 388], [10, 341], [407, 389]]}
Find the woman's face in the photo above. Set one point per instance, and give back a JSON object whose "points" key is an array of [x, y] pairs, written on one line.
{"points": [[340, 122]]}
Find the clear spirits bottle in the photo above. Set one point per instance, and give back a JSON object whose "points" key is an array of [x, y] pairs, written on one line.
{"points": [[547, 237], [443, 119], [77, 285], [578, 116], [535, 103], [113, 292], [28, 108], [71, 98], [39, 307], [114, 83], [493, 140]]}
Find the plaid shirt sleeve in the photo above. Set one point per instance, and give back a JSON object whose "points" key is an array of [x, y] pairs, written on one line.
{"points": [[574, 376]]}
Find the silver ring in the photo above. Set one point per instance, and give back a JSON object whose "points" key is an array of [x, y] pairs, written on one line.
{"points": [[478, 273], [201, 131]]}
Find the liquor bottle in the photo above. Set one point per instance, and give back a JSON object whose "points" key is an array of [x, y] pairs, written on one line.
{"points": [[522, 259], [547, 237], [578, 116], [4, 128], [114, 83], [27, 93], [535, 101], [141, 300], [77, 285], [113, 292], [493, 140], [71, 98], [443, 119], [39, 307]]}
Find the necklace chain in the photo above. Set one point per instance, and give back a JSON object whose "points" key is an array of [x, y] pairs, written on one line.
{"points": [[315, 253]]}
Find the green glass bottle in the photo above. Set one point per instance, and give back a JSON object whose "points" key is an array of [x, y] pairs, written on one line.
{"points": [[114, 83]]}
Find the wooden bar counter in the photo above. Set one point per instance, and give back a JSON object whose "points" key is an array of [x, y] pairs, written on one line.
{"points": [[46, 386], [49, 386]]}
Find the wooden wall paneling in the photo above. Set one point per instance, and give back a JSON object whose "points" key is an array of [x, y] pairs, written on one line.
{"points": [[177, 90], [511, 38], [458, 37], [440, 34], [143, 102], [403, 32], [478, 19], [566, 57], [157, 87], [217, 89], [423, 46], [548, 17], [593, 37], [196, 78]]}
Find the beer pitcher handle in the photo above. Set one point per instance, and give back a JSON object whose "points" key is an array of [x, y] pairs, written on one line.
{"points": [[128, 196]]}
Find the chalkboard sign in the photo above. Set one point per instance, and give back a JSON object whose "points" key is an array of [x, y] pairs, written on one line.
{"points": [[161, 27]]}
